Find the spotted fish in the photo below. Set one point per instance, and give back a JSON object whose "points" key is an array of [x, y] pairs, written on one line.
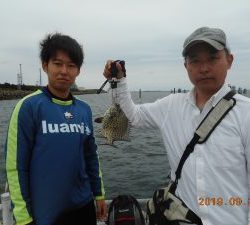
{"points": [[115, 125]]}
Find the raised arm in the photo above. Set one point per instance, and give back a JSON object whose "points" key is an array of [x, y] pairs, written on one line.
{"points": [[144, 115]]}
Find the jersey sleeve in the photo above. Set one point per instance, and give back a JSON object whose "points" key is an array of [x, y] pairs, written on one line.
{"points": [[141, 115], [20, 138], [93, 168]]}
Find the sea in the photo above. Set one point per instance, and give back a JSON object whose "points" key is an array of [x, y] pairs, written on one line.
{"points": [[135, 167]]}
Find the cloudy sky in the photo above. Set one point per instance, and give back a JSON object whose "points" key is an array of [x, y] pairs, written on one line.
{"points": [[147, 34]]}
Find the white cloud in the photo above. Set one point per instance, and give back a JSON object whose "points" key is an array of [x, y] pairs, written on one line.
{"points": [[147, 34]]}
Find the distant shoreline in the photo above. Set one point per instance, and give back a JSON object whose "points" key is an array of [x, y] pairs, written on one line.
{"points": [[10, 94]]}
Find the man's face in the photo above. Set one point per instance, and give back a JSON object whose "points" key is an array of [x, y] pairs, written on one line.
{"points": [[207, 68], [61, 72]]}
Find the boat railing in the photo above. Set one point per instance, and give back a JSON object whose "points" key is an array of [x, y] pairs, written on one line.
{"points": [[5, 206], [7, 216]]}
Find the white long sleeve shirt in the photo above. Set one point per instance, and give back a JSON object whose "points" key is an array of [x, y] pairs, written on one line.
{"points": [[216, 176]]}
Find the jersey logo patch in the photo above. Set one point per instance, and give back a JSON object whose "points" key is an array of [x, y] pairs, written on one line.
{"points": [[68, 115]]}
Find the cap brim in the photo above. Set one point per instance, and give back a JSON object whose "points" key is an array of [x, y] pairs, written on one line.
{"points": [[213, 43]]}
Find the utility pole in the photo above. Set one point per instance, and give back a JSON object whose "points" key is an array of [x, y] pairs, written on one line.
{"points": [[19, 78], [40, 78]]}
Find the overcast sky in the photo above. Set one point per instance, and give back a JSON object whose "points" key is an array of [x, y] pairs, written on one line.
{"points": [[147, 34]]}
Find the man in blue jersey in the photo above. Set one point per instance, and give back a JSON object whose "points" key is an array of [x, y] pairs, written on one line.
{"points": [[52, 163]]}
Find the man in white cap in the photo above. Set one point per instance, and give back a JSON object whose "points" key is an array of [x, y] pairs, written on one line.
{"points": [[215, 181]]}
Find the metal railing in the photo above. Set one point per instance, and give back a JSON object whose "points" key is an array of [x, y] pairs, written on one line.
{"points": [[7, 216], [5, 206]]}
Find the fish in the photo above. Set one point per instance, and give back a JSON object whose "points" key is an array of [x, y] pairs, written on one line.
{"points": [[115, 125]]}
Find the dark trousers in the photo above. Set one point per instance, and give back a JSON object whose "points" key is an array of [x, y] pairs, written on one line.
{"points": [[85, 215]]}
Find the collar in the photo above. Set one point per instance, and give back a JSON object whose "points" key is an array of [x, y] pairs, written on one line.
{"points": [[57, 100], [214, 99]]}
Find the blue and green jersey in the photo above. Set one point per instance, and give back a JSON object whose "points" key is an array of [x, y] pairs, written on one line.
{"points": [[51, 158]]}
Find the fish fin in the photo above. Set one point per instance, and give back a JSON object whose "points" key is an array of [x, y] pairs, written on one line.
{"points": [[99, 135], [126, 138], [112, 145], [98, 120]]}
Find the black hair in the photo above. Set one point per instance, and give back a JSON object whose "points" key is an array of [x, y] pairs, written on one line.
{"points": [[53, 43]]}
